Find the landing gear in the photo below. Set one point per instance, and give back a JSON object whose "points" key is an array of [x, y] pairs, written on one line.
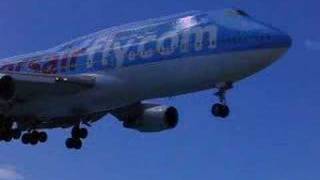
{"points": [[221, 109], [75, 141], [6, 136], [34, 137], [72, 143], [9, 135], [78, 133], [16, 134], [7, 132]]}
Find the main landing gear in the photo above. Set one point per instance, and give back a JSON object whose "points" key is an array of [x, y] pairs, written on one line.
{"points": [[10, 134], [34, 137], [7, 130], [221, 109], [77, 134]]}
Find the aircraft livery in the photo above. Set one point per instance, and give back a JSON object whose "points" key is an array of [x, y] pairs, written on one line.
{"points": [[183, 35]]}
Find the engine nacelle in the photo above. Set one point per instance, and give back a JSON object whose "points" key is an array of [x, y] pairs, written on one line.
{"points": [[153, 118], [7, 87]]}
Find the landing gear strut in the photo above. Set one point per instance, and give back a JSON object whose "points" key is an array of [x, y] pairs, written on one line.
{"points": [[77, 134], [221, 109]]}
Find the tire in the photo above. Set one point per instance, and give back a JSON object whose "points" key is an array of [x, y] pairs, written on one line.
{"points": [[77, 144], [69, 143], [83, 133], [34, 138], [225, 111], [43, 137], [220, 110], [75, 133], [8, 137], [216, 109], [25, 139]]}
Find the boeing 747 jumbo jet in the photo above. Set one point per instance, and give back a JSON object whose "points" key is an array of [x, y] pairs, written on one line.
{"points": [[115, 70]]}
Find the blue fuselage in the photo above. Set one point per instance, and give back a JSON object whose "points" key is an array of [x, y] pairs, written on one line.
{"points": [[156, 58], [178, 37]]}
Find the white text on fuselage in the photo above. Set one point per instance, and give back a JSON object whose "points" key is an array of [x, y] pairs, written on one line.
{"points": [[101, 53]]}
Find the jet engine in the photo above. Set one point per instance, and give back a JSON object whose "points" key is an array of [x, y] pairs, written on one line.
{"points": [[7, 87], [149, 117]]}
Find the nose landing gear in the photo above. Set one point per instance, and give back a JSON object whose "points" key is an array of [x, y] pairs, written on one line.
{"points": [[221, 109]]}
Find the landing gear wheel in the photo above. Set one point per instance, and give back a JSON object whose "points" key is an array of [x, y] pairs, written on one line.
{"points": [[83, 133], [77, 133], [7, 136], [26, 138], [69, 143], [34, 138], [43, 137], [72, 143], [220, 110], [78, 144]]}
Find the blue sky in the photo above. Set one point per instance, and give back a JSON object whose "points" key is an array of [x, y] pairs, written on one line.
{"points": [[273, 132]]}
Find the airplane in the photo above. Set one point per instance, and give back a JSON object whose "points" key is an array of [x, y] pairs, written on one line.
{"points": [[116, 70]]}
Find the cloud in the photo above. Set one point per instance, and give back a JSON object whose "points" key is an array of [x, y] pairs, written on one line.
{"points": [[312, 45], [10, 173]]}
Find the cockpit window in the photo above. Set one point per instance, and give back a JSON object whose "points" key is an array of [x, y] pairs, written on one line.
{"points": [[237, 12], [241, 12]]}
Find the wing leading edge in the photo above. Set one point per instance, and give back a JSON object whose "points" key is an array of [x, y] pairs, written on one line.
{"points": [[26, 85]]}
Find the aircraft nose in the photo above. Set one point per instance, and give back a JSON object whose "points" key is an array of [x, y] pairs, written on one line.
{"points": [[281, 39], [278, 43], [274, 42], [287, 39]]}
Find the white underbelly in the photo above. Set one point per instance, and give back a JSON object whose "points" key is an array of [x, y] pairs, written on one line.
{"points": [[187, 75], [154, 80]]}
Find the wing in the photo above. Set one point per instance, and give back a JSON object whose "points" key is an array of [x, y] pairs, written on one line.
{"points": [[26, 85]]}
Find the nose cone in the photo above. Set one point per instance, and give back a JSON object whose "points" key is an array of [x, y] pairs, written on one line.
{"points": [[288, 40], [279, 43], [276, 45], [276, 38], [272, 39], [280, 39], [272, 44]]}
